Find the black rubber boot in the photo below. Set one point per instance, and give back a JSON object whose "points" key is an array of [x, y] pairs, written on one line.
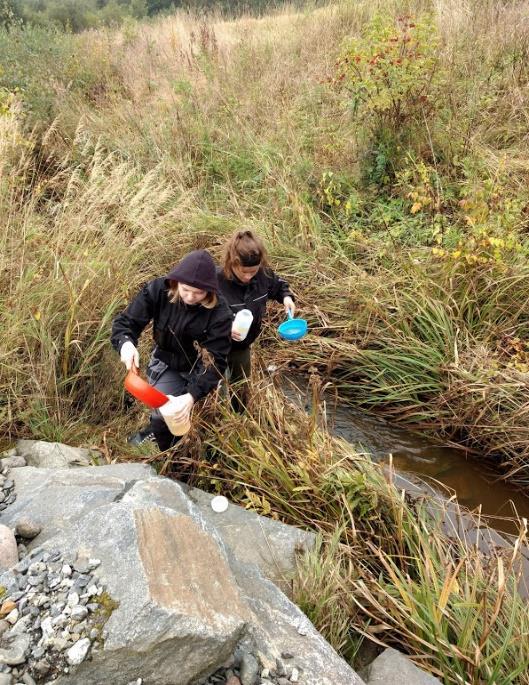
{"points": [[144, 435]]}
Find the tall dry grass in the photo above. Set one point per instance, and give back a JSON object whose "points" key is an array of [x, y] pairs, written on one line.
{"points": [[413, 574], [201, 125], [162, 138]]}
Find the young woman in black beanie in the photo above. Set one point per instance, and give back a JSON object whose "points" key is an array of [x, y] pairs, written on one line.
{"points": [[192, 332], [246, 281]]}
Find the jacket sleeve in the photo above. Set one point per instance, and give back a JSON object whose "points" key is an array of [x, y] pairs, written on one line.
{"points": [[130, 323], [278, 288], [206, 376]]}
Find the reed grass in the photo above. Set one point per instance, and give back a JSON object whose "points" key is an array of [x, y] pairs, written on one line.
{"points": [[396, 571]]}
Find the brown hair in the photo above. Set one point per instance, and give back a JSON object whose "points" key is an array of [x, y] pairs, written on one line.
{"points": [[244, 248], [209, 302]]}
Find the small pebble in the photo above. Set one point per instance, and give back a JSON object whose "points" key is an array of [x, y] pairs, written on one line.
{"points": [[8, 548], [280, 669], [79, 613], [249, 669], [27, 528], [12, 616], [76, 654], [7, 607], [73, 599], [81, 566], [4, 626], [36, 568]]}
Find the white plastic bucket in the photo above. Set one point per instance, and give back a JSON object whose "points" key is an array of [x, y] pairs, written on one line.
{"points": [[169, 409]]}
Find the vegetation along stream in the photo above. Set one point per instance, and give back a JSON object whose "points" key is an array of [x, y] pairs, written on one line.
{"points": [[447, 469]]}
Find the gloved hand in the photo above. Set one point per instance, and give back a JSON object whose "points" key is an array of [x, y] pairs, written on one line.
{"points": [[129, 355], [187, 404], [290, 307]]}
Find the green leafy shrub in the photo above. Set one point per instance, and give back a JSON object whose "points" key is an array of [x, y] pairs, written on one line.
{"points": [[45, 66], [392, 78]]}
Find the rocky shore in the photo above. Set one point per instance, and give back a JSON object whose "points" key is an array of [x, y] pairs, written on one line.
{"points": [[111, 574]]}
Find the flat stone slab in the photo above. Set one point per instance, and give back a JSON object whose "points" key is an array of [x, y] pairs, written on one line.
{"points": [[270, 545], [53, 498]]}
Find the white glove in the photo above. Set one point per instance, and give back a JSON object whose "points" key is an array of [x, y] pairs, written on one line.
{"points": [[129, 355], [290, 307]]}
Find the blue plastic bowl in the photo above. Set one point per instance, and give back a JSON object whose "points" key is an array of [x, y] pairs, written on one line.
{"points": [[293, 329]]}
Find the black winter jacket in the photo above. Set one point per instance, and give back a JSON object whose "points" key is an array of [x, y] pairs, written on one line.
{"points": [[264, 286], [176, 328]]}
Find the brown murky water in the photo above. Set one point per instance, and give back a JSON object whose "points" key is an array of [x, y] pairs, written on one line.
{"points": [[447, 469]]}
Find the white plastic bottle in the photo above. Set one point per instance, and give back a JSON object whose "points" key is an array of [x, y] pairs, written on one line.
{"points": [[242, 322], [168, 411]]}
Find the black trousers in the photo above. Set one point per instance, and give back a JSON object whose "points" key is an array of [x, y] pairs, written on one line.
{"points": [[239, 364], [170, 382], [239, 370]]}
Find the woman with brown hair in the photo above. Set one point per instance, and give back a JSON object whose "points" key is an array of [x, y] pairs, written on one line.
{"points": [[246, 281], [191, 329]]}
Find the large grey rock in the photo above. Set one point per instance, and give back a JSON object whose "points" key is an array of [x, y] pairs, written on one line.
{"points": [[52, 454], [393, 668], [8, 548], [190, 584], [56, 497], [15, 650], [279, 626], [271, 545], [180, 613], [253, 544]]}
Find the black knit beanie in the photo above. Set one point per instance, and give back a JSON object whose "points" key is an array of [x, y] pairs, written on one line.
{"points": [[196, 269]]}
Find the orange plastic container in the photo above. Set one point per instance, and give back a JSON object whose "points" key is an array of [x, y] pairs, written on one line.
{"points": [[142, 391]]}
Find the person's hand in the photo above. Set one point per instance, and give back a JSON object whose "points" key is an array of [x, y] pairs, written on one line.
{"points": [[290, 307], [187, 402], [129, 355], [236, 335]]}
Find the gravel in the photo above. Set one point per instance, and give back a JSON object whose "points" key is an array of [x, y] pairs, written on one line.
{"points": [[53, 621], [7, 486], [244, 668]]}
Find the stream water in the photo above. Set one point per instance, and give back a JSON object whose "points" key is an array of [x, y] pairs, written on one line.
{"points": [[446, 469]]}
